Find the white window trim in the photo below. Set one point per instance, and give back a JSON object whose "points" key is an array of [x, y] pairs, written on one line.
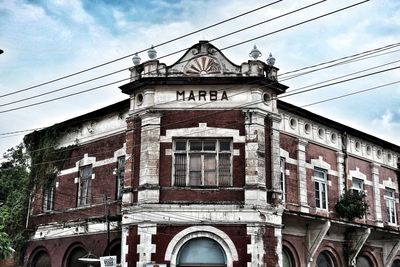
{"points": [[320, 182], [79, 204], [217, 152], [393, 201], [283, 178], [213, 233]]}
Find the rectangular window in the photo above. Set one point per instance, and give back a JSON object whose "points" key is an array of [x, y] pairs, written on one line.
{"points": [[321, 189], [358, 185], [48, 196], [282, 178], [390, 205], [120, 176], [85, 178], [202, 162]]}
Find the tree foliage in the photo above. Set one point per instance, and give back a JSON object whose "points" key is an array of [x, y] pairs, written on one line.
{"points": [[14, 197], [352, 205]]}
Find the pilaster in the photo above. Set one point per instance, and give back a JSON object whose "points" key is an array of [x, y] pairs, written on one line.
{"points": [[341, 171], [275, 159], [146, 248], [255, 189], [377, 194], [124, 245], [302, 174], [149, 158], [256, 247]]}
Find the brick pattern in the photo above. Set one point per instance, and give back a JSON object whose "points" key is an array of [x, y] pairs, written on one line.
{"points": [[270, 243]]}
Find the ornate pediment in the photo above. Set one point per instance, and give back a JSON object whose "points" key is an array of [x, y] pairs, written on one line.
{"points": [[203, 65], [203, 59]]}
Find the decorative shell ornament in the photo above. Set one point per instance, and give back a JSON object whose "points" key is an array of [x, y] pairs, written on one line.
{"points": [[203, 65]]}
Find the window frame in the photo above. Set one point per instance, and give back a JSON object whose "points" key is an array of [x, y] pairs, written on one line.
{"points": [[203, 153], [120, 176], [322, 195], [360, 181], [49, 195], [88, 179], [283, 178], [390, 197]]}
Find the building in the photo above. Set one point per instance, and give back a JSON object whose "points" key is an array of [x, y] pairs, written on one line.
{"points": [[203, 166]]}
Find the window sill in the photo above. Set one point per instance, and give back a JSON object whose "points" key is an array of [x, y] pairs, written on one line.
{"points": [[199, 188]]}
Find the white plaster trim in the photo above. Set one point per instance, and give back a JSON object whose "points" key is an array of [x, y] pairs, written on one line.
{"points": [[320, 163], [202, 131], [187, 234], [390, 184], [59, 231], [124, 246], [357, 174], [120, 152], [85, 161]]}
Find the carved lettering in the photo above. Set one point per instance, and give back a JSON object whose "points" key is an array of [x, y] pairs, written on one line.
{"points": [[178, 94], [224, 96], [212, 95], [191, 96], [203, 94]]}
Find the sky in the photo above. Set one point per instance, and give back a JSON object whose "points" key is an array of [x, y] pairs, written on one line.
{"points": [[44, 40]]}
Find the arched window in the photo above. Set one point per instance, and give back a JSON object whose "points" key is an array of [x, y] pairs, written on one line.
{"points": [[41, 259], [324, 260], [201, 251], [74, 255], [396, 263], [287, 258], [363, 262]]}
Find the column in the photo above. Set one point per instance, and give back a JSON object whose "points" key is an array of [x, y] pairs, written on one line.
{"points": [[302, 174]]}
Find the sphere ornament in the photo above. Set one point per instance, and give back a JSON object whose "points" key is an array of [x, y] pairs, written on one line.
{"points": [[152, 53], [255, 53], [270, 60], [136, 59]]}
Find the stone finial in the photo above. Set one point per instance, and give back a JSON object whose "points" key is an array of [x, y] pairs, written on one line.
{"points": [[255, 53], [136, 59], [270, 60], [152, 53]]}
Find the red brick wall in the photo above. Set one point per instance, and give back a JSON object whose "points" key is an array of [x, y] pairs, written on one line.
{"points": [[236, 233], [231, 119], [315, 151], [66, 193], [132, 167], [289, 144], [180, 119], [132, 241], [58, 248], [292, 187], [270, 243]]}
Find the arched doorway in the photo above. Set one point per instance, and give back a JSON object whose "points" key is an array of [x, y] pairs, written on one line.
{"points": [[287, 258], [325, 260], [74, 254], [41, 259], [201, 252], [396, 263], [363, 261]]}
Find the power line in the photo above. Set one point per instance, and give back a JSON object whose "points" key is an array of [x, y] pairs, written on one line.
{"points": [[362, 57], [167, 55], [228, 47], [143, 50]]}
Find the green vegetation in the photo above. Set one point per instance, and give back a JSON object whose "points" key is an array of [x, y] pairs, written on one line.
{"points": [[14, 198], [352, 204]]}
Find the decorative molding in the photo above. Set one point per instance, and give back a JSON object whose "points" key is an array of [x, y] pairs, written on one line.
{"points": [[193, 232]]}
